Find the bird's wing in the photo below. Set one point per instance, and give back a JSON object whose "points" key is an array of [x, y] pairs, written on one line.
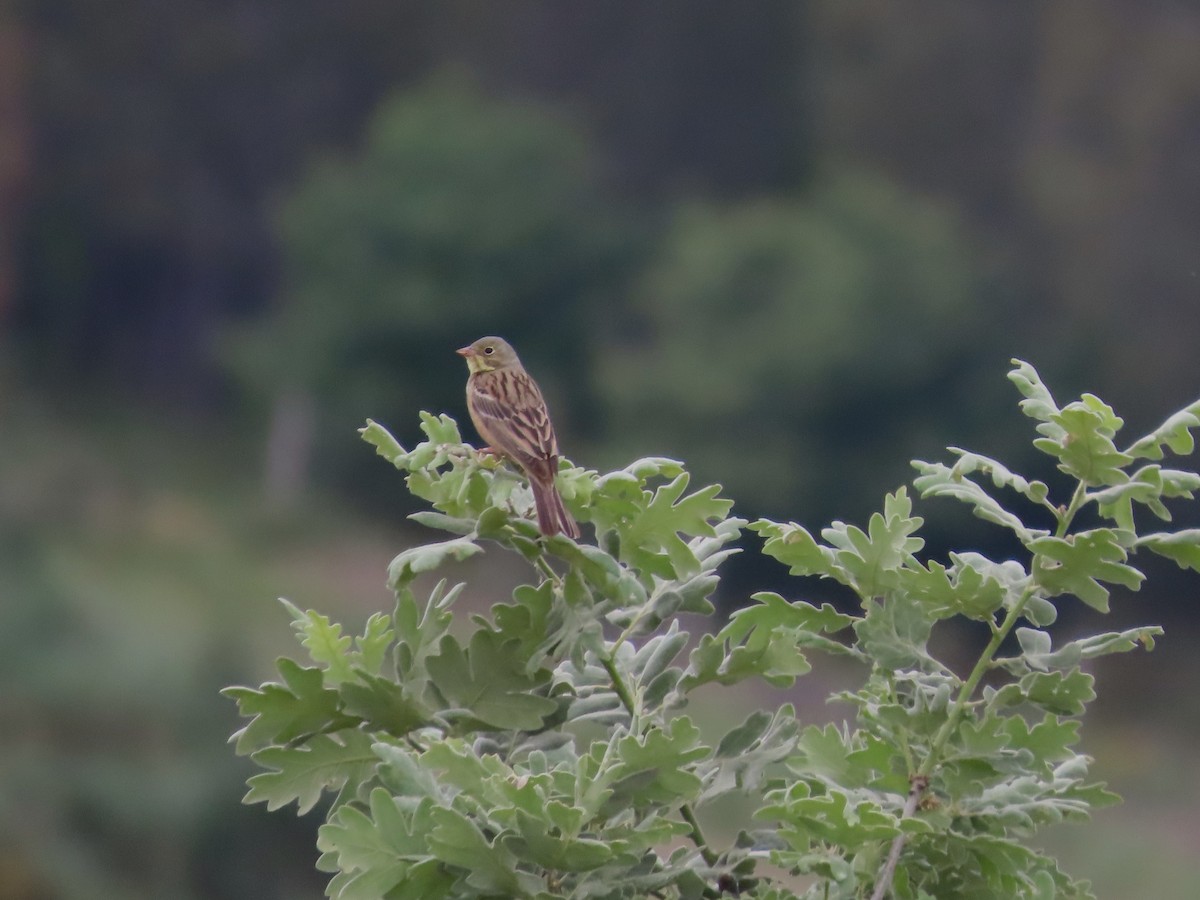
{"points": [[512, 416]]}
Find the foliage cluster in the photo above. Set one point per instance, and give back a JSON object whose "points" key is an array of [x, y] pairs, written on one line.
{"points": [[545, 750]]}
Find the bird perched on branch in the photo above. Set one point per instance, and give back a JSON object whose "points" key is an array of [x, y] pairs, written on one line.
{"points": [[510, 414]]}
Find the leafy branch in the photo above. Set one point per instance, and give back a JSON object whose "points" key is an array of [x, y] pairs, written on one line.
{"points": [[544, 750]]}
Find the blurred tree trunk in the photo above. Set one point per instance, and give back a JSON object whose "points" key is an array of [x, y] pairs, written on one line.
{"points": [[290, 435], [14, 148]]}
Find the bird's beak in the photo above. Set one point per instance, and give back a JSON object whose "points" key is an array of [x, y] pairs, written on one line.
{"points": [[465, 352]]}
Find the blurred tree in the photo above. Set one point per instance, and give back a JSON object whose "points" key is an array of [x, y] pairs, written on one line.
{"points": [[160, 133], [783, 325], [460, 216], [684, 95], [1067, 135]]}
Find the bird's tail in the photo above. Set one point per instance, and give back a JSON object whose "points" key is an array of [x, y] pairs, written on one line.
{"points": [[552, 516]]}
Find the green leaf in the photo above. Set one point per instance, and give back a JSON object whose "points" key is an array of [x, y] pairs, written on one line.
{"points": [[1038, 403], [832, 816], [745, 753], [600, 570], [1148, 486], [324, 641], [1174, 433], [1182, 547], [411, 563], [1080, 436], [1029, 801], [871, 560], [1078, 563], [824, 752], [487, 679], [383, 442], [372, 646], [656, 766], [654, 467], [302, 773], [382, 704], [418, 631], [764, 640], [440, 429], [1001, 476], [1049, 741], [535, 842], [939, 480], [462, 525], [301, 706], [894, 633], [793, 546], [973, 586], [656, 654], [1061, 693], [457, 841], [657, 526], [1035, 646], [406, 775], [531, 620], [383, 851]]}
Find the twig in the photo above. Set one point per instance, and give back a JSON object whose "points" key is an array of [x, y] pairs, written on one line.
{"points": [[916, 790], [619, 687], [697, 835], [546, 570], [920, 780], [685, 810]]}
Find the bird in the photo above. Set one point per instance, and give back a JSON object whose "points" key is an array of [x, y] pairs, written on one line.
{"points": [[508, 411]]}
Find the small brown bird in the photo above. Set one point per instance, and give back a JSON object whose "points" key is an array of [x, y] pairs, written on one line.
{"points": [[510, 414]]}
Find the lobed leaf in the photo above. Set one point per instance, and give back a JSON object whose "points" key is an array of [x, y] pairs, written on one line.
{"points": [[1001, 476], [940, 480], [973, 586], [382, 704], [1181, 547], [383, 442], [894, 633], [745, 753], [324, 762], [281, 713], [486, 679], [1077, 565], [1174, 433], [766, 640], [324, 641], [457, 841], [1148, 487], [428, 557], [871, 560], [1038, 403], [1036, 652], [793, 546], [1080, 436]]}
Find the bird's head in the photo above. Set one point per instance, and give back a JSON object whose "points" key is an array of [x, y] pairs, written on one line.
{"points": [[488, 354]]}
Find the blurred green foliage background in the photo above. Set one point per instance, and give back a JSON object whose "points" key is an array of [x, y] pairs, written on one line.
{"points": [[756, 238]]}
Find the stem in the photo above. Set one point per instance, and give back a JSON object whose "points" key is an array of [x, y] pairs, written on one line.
{"points": [[968, 688], [1064, 521], [697, 835], [545, 568], [619, 686], [989, 652], [685, 810], [909, 764], [920, 780], [915, 791]]}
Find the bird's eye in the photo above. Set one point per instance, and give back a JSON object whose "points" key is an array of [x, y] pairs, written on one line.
{"points": [[489, 350]]}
